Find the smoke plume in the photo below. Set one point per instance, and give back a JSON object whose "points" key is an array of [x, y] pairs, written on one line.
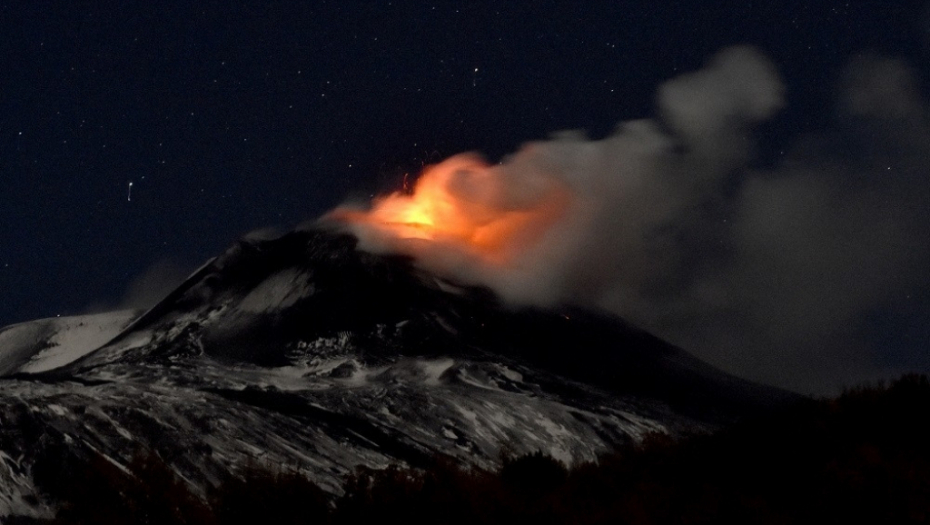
{"points": [[768, 273]]}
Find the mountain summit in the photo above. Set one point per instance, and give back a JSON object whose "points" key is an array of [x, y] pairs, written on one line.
{"points": [[303, 351]]}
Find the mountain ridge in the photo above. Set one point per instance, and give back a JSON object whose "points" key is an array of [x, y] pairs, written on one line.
{"points": [[303, 350]]}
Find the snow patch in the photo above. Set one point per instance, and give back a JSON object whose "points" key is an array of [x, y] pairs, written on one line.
{"points": [[637, 427], [512, 375], [278, 292], [434, 369], [79, 336]]}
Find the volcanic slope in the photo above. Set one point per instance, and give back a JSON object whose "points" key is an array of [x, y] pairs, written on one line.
{"points": [[304, 352]]}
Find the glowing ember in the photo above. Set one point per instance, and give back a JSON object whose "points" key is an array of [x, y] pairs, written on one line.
{"points": [[465, 204]]}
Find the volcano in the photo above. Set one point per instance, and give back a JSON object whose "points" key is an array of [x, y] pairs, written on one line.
{"points": [[304, 351]]}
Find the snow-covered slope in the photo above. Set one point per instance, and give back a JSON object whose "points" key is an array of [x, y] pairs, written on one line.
{"points": [[45, 344], [303, 351]]}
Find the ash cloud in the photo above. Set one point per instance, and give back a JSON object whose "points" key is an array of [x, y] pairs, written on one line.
{"points": [[767, 273], [146, 289]]}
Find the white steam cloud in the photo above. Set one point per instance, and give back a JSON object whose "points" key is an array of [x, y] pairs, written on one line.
{"points": [[766, 273]]}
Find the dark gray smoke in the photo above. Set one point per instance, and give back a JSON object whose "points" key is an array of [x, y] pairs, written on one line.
{"points": [[146, 289], [766, 273]]}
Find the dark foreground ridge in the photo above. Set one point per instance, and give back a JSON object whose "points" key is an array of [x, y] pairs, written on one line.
{"points": [[304, 352], [861, 458]]}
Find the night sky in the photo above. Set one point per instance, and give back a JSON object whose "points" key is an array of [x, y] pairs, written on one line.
{"points": [[227, 117]]}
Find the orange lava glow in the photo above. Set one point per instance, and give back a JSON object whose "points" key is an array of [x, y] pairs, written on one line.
{"points": [[465, 204]]}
